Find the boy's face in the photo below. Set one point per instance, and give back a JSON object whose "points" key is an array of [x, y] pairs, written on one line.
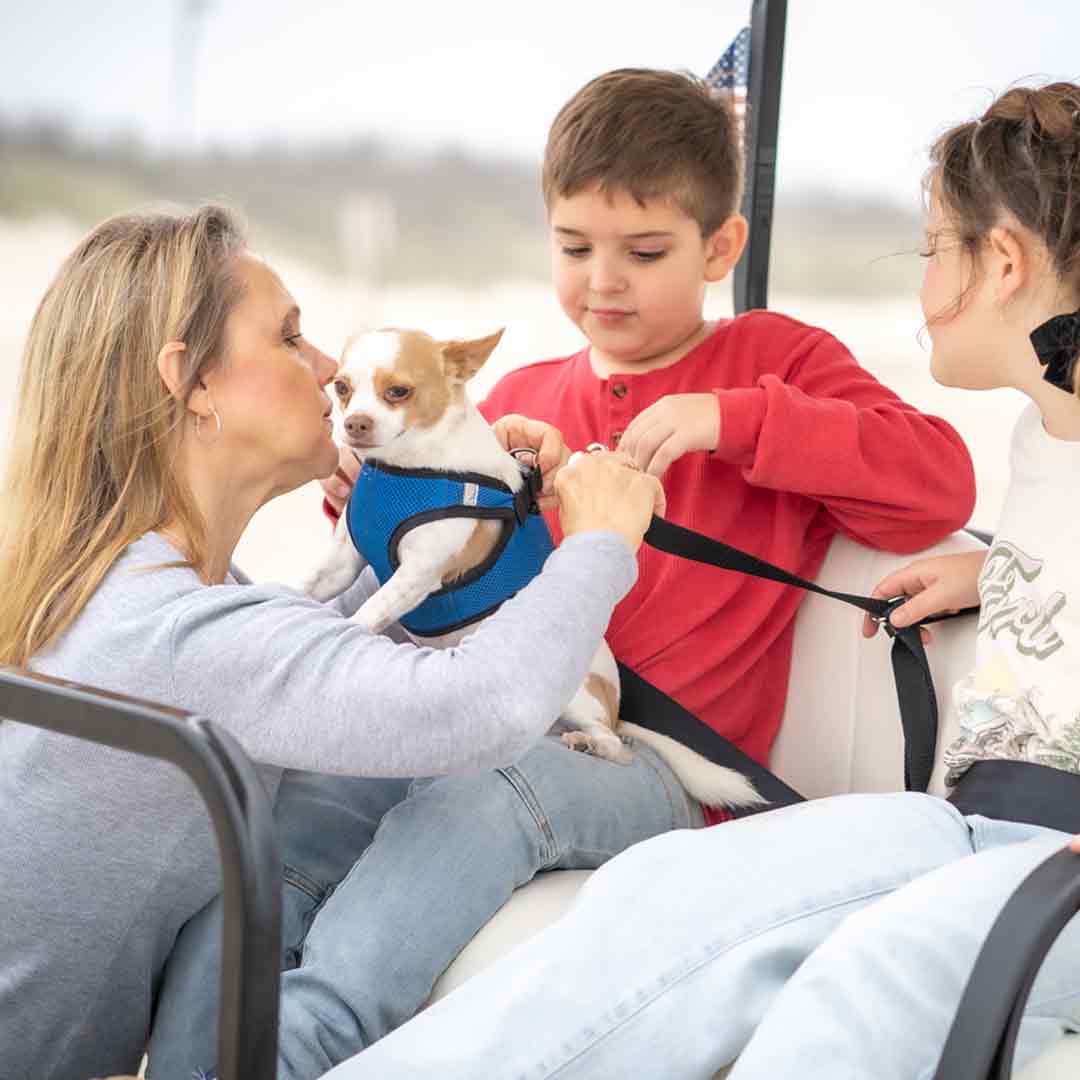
{"points": [[631, 277]]}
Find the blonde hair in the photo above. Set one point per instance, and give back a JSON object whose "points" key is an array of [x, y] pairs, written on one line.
{"points": [[96, 428]]}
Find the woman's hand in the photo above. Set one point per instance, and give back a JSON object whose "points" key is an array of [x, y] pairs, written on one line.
{"points": [[607, 491], [675, 425], [514, 432], [337, 487], [935, 586]]}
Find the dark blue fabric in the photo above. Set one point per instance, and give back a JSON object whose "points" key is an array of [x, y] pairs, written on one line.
{"points": [[385, 499]]}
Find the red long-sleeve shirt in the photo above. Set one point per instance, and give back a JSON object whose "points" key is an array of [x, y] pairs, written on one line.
{"points": [[810, 444]]}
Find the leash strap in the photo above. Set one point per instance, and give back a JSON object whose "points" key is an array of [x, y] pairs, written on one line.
{"points": [[644, 704], [911, 669]]}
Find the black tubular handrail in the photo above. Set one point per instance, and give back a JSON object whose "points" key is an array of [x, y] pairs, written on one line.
{"points": [[768, 19], [982, 1040], [242, 817]]}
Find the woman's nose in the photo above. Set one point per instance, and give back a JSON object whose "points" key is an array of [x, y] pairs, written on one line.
{"points": [[325, 367]]}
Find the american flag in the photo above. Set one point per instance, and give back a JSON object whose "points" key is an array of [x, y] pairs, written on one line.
{"points": [[731, 73]]}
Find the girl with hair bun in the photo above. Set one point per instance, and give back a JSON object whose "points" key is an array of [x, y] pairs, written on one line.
{"points": [[856, 920]]}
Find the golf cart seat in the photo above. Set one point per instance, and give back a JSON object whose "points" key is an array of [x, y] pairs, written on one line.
{"points": [[840, 733]]}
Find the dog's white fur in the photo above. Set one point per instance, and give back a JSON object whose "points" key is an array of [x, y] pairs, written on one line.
{"points": [[400, 398]]}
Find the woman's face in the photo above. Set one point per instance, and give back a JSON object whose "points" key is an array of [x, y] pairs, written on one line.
{"points": [[275, 416]]}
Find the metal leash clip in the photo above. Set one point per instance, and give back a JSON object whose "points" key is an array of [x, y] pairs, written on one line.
{"points": [[531, 463], [890, 606]]}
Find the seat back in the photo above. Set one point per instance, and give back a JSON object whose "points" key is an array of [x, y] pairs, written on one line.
{"points": [[841, 727]]}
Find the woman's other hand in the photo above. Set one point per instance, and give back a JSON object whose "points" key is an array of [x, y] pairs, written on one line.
{"points": [[337, 487], [519, 432], [607, 491], [935, 586]]}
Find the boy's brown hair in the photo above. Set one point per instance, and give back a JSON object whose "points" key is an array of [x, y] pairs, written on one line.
{"points": [[654, 134]]}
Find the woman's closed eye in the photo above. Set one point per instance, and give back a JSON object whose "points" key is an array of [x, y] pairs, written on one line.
{"points": [[576, 251], [293, 340], [648, 256]]}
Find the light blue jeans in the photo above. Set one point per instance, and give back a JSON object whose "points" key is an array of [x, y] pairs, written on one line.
{"points": [[825, 941], [386, 881]]}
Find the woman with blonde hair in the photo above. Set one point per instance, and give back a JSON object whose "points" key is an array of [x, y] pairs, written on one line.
{"points": [[167, 393]]}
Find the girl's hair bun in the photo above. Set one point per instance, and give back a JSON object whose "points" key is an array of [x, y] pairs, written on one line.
{"points": [[1045, 112]]}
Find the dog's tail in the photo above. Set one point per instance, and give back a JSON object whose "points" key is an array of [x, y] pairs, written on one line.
{"points": [[709, 783]]}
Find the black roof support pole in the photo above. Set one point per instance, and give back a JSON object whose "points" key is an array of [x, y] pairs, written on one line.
{"points": [[768, 19]]}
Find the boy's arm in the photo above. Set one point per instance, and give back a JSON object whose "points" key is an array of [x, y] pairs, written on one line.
{"points": [[891, 476]]}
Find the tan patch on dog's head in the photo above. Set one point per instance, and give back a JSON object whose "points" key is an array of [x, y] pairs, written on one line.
{"points": [[414, 381]]}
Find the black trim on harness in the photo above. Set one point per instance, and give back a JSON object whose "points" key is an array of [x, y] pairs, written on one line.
{"points": [[479, 513], [440, 474], [911, 669]]}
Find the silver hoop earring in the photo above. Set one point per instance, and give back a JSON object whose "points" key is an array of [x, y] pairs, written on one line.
{"points": [[217, 422]]}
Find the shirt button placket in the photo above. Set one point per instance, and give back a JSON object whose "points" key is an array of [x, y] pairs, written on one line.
{"points": [[621, 411]]}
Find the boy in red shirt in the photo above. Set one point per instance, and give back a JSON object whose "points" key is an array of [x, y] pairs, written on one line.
{"points": [[766, 432]]}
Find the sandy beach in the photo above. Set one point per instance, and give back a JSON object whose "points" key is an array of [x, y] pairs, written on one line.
{"points": [[279, 542]]}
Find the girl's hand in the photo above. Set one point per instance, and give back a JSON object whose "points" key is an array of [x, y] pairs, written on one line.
{"points": [[515, 431], [607, 491], [337, 487], [1074, 844], [671, 427], [935, 586]]}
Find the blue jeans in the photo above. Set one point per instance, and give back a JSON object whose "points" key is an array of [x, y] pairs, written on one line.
{"points": [[387, 881], [825, 941]]}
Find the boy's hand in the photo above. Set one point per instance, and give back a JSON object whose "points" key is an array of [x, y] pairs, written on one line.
{"points": [[337, 487], [1074, 844], [943, 584], [515, 431], [667, 429]]}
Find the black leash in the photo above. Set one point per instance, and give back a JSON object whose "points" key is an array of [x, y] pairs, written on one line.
{"points": [[911, 669]]}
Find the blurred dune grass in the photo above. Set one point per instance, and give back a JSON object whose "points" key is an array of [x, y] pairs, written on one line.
{"points": [[456, 218]]}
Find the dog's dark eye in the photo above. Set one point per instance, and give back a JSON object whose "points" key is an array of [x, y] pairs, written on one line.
{"points": [[341, 388], [395, 394]]}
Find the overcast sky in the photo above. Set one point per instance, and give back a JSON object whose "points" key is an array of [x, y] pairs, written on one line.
{"points": [[867, 82]]}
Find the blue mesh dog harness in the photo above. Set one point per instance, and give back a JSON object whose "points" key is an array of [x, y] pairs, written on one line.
{"points": [[388, 501]]}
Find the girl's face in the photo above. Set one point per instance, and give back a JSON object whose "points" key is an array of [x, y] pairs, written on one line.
{"points": [[276, 429], [974, 344]]}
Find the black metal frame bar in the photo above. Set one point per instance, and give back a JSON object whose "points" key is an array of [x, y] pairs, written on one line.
{"points": [[242, 817], [768, 19], [982, 1040]]}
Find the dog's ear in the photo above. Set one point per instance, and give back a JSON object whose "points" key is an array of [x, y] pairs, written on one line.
{"points": [[463, 359]]}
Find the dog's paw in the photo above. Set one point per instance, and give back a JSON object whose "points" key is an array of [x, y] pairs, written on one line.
{"points": [[606, 746], [578, 740]]}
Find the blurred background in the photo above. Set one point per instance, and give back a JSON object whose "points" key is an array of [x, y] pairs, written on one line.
{"points": [[386, 158]]}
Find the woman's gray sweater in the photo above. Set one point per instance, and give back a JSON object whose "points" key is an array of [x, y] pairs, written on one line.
{"points": [[104, 855]]}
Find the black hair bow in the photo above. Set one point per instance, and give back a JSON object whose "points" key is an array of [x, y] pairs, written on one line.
{"points": [[1057, 345]]}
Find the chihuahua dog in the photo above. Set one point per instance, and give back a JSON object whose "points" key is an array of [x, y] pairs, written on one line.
{"points": [[401, 406]]}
